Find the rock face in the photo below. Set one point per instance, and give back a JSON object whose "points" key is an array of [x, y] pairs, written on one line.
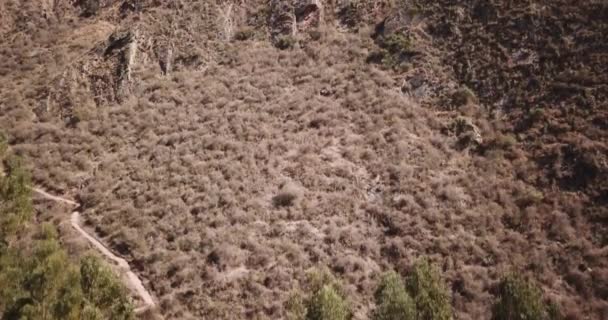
{"points": [[101, 77], [288, 18], [467, 132], [282, 19], [308, 14]]}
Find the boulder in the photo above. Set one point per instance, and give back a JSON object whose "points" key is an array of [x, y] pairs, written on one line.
{"points": [[308, 14], [287, 18], [467, 132]]}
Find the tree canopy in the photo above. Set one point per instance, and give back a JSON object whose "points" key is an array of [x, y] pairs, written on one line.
{"points": [[37, 279]]}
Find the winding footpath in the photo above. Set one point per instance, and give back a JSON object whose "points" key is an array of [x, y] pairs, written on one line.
{"points": [[133, 282]]}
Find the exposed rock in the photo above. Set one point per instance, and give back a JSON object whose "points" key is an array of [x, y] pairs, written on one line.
{"points": [[288, 18], [130, 6], [101, 77], [282, 19], [467, 132], [308, 13], [396, 22], [349, 17], [166, 59]]}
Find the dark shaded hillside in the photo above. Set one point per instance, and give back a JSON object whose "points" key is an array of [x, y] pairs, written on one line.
{"points": [[543, 67]]}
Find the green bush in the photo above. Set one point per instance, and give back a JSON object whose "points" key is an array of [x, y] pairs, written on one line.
{"points": [[537, 114], [394, 50], [327, 304], [392, 300], [285, 42], [101, 288], [463, 96], [3, 145], [519, 300], [505, 141], [429, 293], [397, 44], [244, 34], [15, 198]]}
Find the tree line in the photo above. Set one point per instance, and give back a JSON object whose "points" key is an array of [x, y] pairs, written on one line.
{"points": [[37, 278]]}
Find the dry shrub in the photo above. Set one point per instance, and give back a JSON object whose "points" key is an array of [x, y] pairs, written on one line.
{"points": [[204, 149], [284, 199]]}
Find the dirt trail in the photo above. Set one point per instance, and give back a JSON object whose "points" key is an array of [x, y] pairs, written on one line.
{"points": [[133, 282]]}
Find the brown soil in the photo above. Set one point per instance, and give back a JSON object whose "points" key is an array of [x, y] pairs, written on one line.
{"points": [[223, 170]]}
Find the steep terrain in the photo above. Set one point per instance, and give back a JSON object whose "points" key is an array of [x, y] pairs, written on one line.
{"points": [[223, 168]]}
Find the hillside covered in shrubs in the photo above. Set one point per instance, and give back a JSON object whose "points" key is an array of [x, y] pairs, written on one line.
{"points": [[311, 159]]}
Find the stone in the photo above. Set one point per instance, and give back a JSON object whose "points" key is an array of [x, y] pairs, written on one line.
{"points": [[287, 18]]}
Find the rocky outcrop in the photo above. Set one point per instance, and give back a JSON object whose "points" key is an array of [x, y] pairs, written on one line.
{"points": [[101, 77], [467, 132], [308, 14], [282, 19], [288, 18]]}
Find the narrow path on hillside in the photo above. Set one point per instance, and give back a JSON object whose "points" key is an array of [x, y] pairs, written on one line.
{"points": [[133, 281]]}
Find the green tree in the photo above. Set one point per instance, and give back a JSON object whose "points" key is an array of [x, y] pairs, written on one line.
{"points": [[519, 299], [327, 304], [45, 285], [15, 198], [296, 306], [392, 300], [428, 290], [37, 280], [3, 145], [102, 290]]}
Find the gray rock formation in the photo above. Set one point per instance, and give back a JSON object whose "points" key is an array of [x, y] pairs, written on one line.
{"points": [[101, 77], [287, 18]]}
